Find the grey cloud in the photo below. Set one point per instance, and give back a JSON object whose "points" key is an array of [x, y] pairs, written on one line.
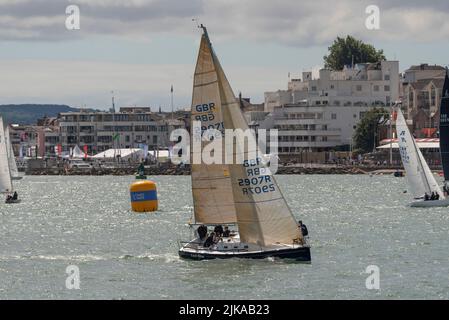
{"points": [[288, 22]]}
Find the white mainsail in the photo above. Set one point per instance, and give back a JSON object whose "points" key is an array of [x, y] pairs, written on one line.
{"points": [[211, 184], [420, 178], [5, 176], [11, 159], [263, 215]]}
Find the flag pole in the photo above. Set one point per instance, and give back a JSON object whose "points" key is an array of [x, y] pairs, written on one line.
{"points": [[171, 101]]}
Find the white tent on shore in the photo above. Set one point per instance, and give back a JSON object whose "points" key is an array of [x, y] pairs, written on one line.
{"points": [[124, 154], [77, 153]]}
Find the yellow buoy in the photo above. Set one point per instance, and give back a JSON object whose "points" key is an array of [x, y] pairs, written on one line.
{"points": [[143, 196]]}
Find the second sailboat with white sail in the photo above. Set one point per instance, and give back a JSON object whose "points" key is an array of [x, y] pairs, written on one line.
{"points": [[421, 182]]}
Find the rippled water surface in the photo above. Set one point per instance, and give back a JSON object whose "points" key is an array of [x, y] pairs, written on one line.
{"points": [[354, 222]]}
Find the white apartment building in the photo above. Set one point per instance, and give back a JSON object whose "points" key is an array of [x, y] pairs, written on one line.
{"points": [[320, 114]]}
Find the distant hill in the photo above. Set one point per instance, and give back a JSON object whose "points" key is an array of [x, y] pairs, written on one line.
{"points": [[29, 113]]}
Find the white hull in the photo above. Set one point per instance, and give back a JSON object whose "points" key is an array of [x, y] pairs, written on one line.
{"points": [[430, 203]]}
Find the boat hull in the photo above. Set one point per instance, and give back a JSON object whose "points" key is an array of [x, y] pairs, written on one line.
{"points": [[299, 254], [12, 201], [430, 203]]}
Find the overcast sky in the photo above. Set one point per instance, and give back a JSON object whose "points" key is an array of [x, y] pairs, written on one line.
{"points": [[138, 48]]}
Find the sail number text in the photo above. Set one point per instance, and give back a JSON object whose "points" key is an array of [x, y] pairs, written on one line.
{"points": [[206, 113], [257, 181]]}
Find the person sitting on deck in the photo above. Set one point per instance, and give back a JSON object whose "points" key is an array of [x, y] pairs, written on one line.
{"points": [[202, 231], [210, 240], [15, 196], [426, 197], [226, 232], [8, 197], [432, 196], [437, 196], [446, 190], [303, 228], [218, 230]]}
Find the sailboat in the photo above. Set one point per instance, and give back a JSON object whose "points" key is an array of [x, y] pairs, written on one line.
{"points": [[266, 225], [11, 159], [444, 132], [6, 186], [420, 179]]}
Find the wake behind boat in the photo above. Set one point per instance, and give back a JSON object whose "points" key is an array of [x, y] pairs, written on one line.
{"points": [[421, 182], [243, 194]]}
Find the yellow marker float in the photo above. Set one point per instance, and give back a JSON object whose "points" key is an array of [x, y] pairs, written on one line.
{"points": [[143, 196]]}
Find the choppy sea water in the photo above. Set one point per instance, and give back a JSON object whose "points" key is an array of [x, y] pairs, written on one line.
{"points": [[354, 221]]}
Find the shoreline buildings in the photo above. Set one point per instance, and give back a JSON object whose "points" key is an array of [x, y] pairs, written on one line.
{"points": [[316, 115], [98, 131]]}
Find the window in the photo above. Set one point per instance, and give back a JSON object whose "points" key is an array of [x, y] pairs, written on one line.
{"points": [[387, 77], [154, 139], [376, 88], [127, 139], [386, 88], [332, 86], [313, 88], [333, 116], [358, 87], [354, 116]]}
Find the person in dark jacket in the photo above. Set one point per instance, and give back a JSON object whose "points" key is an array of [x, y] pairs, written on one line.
{"points": [[202, 231], [218, 230], [210, 240], [303, 228], [226, 232]]}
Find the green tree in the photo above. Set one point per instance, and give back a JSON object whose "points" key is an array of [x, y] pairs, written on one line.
{"points": [[365, 135], [343, 51]]}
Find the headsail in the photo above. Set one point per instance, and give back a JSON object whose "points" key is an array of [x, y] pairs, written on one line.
{"points": [[5, 177], [11, 159], [420, 178], [444, 128], [263, 215], [211, 184]]}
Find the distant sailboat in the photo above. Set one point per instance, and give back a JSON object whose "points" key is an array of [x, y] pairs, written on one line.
{"points": [[11, 158], [266, 226], [420, 179], [6, 185]]}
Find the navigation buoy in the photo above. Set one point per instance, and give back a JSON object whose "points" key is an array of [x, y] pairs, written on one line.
{"points": [[143, 196]]}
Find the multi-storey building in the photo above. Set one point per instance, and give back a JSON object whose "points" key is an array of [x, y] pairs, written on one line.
{"points": [[128, 128], [99, 131], [422, 87], [363, 84], [322, 114]]}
